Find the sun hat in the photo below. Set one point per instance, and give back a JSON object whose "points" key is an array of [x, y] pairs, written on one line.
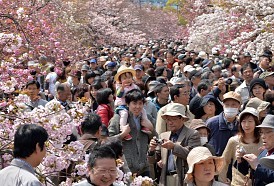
{"points": [[198, 155], [197, 124], [268, 122], [267, 162], [232, 95], [266, 74], [249, 110], [254, 102], [202, 54], [175, 109], [263, 106], [123, 69]]}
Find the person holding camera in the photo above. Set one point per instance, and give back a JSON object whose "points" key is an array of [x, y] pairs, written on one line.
{"points": [[171, 149], [247, 141]]}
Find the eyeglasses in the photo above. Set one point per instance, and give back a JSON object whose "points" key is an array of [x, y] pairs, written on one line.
{"points": [[105, 171], [266, 132], [172, 119]]}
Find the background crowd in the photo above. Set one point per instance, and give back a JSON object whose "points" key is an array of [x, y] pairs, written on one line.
{"points": [[179, 117]]}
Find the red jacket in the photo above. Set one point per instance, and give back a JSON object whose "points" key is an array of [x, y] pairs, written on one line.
{"points": [[105, 112]]}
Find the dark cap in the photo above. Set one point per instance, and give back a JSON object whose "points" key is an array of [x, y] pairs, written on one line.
{"points": [[195, 73]]}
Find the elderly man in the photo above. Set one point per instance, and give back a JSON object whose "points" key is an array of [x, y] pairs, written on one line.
{"points": [[263, 175], [172, 148], [29, 151]]}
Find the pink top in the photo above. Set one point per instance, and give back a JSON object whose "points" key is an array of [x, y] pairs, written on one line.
{"points": [[121, 100]]}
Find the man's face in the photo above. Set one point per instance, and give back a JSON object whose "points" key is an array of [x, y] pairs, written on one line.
{"points": [[33, 91], [174, 123], [264, 63], [267, 135], [248, 74], [164, 94], [169, 58], [183, 97], [159, 63], [136, 107], [104, 172], [64, 95], [231, 103], [270, 80], [139, 74]]}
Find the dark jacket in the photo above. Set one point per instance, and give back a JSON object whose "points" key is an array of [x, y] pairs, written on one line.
{"points": [[220, 133]]}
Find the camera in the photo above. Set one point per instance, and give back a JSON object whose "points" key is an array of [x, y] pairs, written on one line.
{"points": [[158, 141], [228, 81], [242, 150]]}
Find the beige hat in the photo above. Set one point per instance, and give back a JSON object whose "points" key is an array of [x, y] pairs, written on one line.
{"points": [[123, 69], [232, 95], [197, 124], [249, 110], [198, 155], [263, 106], [258, 104], [175, 109]]}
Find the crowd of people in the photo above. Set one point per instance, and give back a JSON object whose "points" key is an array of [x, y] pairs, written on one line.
{"points": [[179, 117]]}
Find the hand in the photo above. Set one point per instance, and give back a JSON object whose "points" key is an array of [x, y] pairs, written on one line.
{"points": [[252, 160], [152, 145], [160, 164], [124, 84], [125, 130], [239, 154], [168, 144], [221, 84]]}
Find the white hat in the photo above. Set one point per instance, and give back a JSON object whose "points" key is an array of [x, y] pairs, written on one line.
{"points": [[188, 68], [175, 109], [202, 54]]}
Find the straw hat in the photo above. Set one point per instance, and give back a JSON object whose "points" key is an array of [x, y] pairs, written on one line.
{"points": [[123, 69], [198, 155]]}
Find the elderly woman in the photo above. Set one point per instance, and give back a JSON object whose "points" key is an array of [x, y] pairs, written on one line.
{"points": [[203, 167]]}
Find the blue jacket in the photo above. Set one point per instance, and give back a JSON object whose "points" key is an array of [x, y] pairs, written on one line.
{"points": [[262, 175], [220, 133]]}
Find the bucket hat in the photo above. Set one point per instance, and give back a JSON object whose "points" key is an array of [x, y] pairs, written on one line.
{"points": [[249, 110], [197, 124], [201, 154], [268, 122], [175, 109], [124, 69], [232, 95]]}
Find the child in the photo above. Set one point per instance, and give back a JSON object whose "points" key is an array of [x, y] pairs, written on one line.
{"points": [[124, 83]]}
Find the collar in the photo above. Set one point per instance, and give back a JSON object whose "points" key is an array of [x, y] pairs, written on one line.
{"points": [[270, 152], [178, 132], [22, 164]]}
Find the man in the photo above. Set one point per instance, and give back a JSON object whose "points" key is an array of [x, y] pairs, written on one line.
{"points": [[243, 89], [135, 149], [264, 65], [139, 69], [63, 95], [171, 151], [162, 96], [33, 89], [179, 94], [101, 168], [263, 175], [146, 63], [203, 89], [269, 79], [29, 151], [224, 125]]}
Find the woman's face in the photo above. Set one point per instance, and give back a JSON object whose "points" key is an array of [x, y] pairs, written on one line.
{"points": [[258, 91], [93, 92], [248, 124], [204, 171], [90, 80], [209, 108], [110, 98], [165, 73]]}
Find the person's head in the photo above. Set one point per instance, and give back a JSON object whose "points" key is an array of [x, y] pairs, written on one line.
{"points": [[202, 166], [33, 89], [267, 132], [208, 108], [146, 63], [180, 94], [232, 103], [75, 76], [116, 145], [264, 62], [249, 119], [160, 62], [91, 124], [200, 126], [235, 70], [89, 77], [63, 92], [203, 88], [258, 88], [268, 78], [169, 57], [247, 72], [135, 101], [125, 74], [104, 96], [161, 71], [102, 166], [227, 63], [161, 91], [139, 71], [217, 70], [195, 77], [97, 85], [174, 116], [29, 142], [132, 61]]}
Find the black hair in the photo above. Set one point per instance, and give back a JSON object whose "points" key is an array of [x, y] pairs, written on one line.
{"points": [[89, 75], [151, 72], [102, 96], [159, 87], [175, 90], [33, 82], [188, 60], [97, 84], [25, 139], [91, 123], [134, 95], [60, 87], [116, 145], [159, 71], [227, 62], [246, 66], [202, 86], [100, 153], [126, 74], [51, 69]]}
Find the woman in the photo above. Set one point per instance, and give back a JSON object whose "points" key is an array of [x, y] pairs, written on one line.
{"points": [[203, 167], [209, 107], [248, 141], [258, 88], [104, 99], [161, 72]]}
